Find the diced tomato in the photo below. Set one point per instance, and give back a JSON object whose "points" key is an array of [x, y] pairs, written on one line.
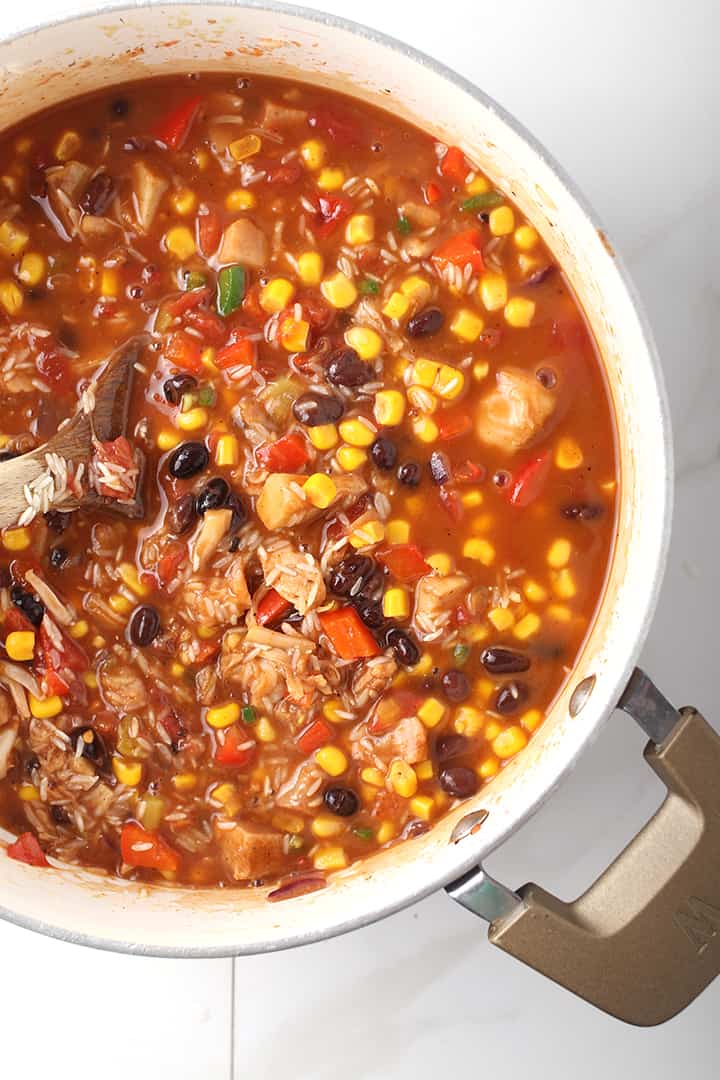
{"points": [[388, 805], [183, 351], [236, 356], [117, 452], [460, 250], [315, 310], [289, 454], [452, 425], [174, 727], [236, 749], [491, 338], [169, 562], [205, 650], [15, 620], [287, 173], [54, 367], [27, 849], [404, 561], [527, 484], [468, 472], [185, 301], [451, 503], [432, 193], [209, 229], [57, 665], [454, 165], [146, 848], [210, 325], [338, 123], [272, 609], [348, 634], [330, 211], [314, 736], [174, 128], [250, 306]]}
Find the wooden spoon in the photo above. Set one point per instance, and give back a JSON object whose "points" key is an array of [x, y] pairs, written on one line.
{"points": [[73, 443]]}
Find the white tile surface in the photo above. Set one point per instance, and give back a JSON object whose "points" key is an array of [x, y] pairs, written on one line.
{"points": [[627, 97]]}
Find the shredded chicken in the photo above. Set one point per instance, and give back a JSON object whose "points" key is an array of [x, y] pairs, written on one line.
{"points": [[65, 185], [294, 574], [213, 528], [303, 788], [121, 685], [243, 242], [149, 186], [435, 597], [8, 734], [514, 411], [219, 600], [206, 682], [60, 611], [251, 851], [371, 678], [282, 504], [275, 116]]}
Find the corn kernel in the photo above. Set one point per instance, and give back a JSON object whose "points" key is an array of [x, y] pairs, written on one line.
{"points": [[397, 531], [563, 584], [339, 290], [493, 291], [422, 806], [502, 221], [320, 490], [368, 534], [180, 242], [323, 436], [331, 760], [129, 576], [568, 454], [79, 629], [558, 612], [466, 325], [184, 781], [416, 289], [396, 307], [531, 719], [331, 708], [373, 777], [488, 768], [389, 408], [424, 770], [193, 419], [501, 618], [449, 382], [90, 680], [477, 186], [240, 199], [431, 712], [183, 201], [424, 665], [415, 505], [16, 539], [67, 145], [28, 792], [509, 742], [177, 670], [288, 823], [227, 451], [120, 604], [360, 230], [387, 831], [402, 778], [128, 773], [422, 400], [222, 716], [425, 429], [440, 562], [201, 159], [109, 283], [480, 550], [167, 440], [357, 433], [32, 269], [492, 730], [424, 373], [468, 721], [223, 793], [294, 334], [330, 857], [350, 458], [20, 644], [559, 553], [519, 312], [480, 370], [245, 147], [484, 689], [367, 343], [313, 153], [527, 626], [325, 826], [310, 267], [264, 730], [13, 238], [276, 295], [472, 499], [395, 604], [11, 297], [331, 179], [525, 237], [23, 145], [535, 592]]}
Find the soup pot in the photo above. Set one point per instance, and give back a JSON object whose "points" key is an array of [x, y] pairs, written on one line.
{"points": [[644, 940]]}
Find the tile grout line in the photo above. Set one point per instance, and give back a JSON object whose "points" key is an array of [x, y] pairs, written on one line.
{"points": [[232, 1017]]}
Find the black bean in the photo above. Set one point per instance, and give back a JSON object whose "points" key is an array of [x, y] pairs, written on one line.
{"points": [[31, 608], [500, 661], [456, 685], [371, 614], [425, 322], [341, 801], [344, 367], [440, 469], [58, 557], [93, 745], [458, 781], [546, 377], [213, 495], [450, 746], [120, 107], [540, 275], [181, 515], [176, 386], [57, 520], [239, 511], [144, 625], [312, 410], [8, 455], [404, 648], [98, 194], [510, 698], [371, 587], [59, 814], [188, 459], [581, 511], [501, 478], [349, 575], [410, 474], [384, 452], [415, 828]]}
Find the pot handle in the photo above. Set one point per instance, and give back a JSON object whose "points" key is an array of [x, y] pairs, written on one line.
{"points": [[644, 940]]}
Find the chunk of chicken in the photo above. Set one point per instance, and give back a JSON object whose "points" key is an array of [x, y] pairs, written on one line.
{"points": [[303, 788], [251, 851], [148, 188], [435, 597], [515, 411], [219, 600], [372, 677], [419, 214], [281, 504], [8, 735], [408, 740], [121, 686], [213, 528], [275, 116], [65, 185], [294, 574], [243, 242]]}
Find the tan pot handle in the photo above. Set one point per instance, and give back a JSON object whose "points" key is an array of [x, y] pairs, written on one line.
{"points": [[644, 940]]}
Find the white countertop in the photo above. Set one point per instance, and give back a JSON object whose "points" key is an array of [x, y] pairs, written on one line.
{"points": [[627, 97]]}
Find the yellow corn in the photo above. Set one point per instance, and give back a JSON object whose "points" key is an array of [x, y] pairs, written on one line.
{"points": [[350, 458], [396, 604], [357, 433], [525, 237], [310, 267], [13, 238], [120, 604], [480, 370], [397, 531], [276, 295], [323, 436], [28, 793], [166, 440], [339, 290], [402, 778], [519, 312], [466, 325], [389, 408], [206, 632], [421, 399], [227, 451], [264, 730], [431, 712], [424, 665], [535, 592], [320, 490], [424, 373], [16, 539], [373, 777], [109, 282], [425, 429], [11, 297], [415, 504], [325, 826], [331, 760], [396, 307], [559, 612], [331, 708], [128, 773], [472, 499], [501, 618], [528, 264], [330, 857], [67, 145], [368, 534], [79, 629], [20, 644], [531, 719], [294, 334], [222, 716], [527, 626], [360, 230], [488, 768], [493, 291], [509, 742], [32, 269], [416, 289], [288, 823], [424, 770], [559, 553], [387, 831], [223, 793], [501, 221], [331, 179], [245, 147], [449, 382], [129, 576], [563, 584], [422, 806], [177, 670], [193, 419], [313, 153], [240, 199], [180, 242], [90, 680], [440, 562], [568, 454], [367, 343], [184, 781], [480, 550], [201, 159], [183, 201], [23, 145]]}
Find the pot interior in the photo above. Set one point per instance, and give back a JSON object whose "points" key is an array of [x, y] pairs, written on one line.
{"points": [[53, 63]]}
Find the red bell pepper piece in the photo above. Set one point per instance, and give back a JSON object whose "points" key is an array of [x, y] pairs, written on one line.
{"points": [[467, 472], [348, 634], [404, 561], [15, 620], [58, 664], [174, 128], [338, 123], [54, 367], [27, 849], [451, 503], [392, 708], [330, 211], [183, 351], [146, 848], [272, 609], [209, 228], [288, 454], [236, 355], [432, 193], [314, 736], [461, 249], [529, 482], [169, 562], [185, 301], [287, 173], [210, 325], [454, 165], [236, 749], [452, 425]]}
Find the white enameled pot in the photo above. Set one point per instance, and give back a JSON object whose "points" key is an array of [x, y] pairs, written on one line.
{"points": [[52, 62]]}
